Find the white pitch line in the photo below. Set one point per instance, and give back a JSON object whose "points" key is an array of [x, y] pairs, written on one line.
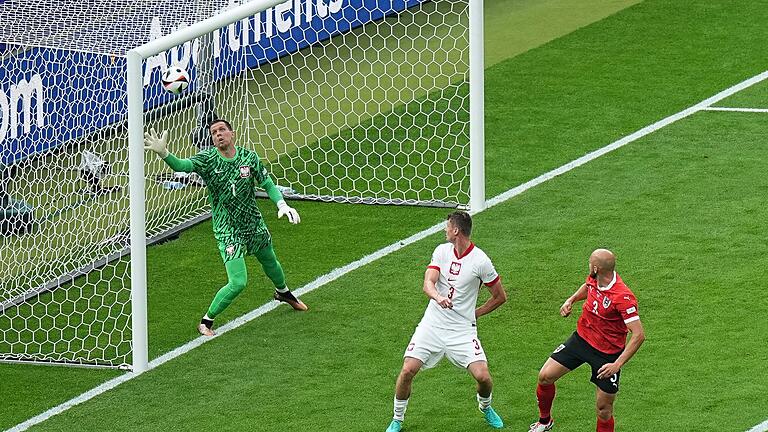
{"points": [[339, 272], [748, 110], [762, 427]]}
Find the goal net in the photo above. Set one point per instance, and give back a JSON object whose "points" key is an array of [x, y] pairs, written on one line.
{"points": [[362, 101]]}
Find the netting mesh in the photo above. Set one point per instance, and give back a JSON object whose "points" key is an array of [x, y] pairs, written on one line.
{"points": [[64, 213], [111, 27], [377, 114], [352, 101]]}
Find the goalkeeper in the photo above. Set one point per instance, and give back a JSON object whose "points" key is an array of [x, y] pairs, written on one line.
{"points": [[231, 174]]}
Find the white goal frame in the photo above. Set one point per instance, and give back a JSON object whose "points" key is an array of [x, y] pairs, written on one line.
{"points": [[472, 194], [135, 58]]}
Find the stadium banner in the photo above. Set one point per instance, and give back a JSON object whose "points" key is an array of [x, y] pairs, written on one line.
{"points": [[49, 97]]}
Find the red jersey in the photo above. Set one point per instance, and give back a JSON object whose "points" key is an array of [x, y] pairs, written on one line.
{"points": [[605, 315]]}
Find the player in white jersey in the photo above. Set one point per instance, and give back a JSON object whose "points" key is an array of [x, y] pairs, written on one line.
{"points": [[452, 282]]}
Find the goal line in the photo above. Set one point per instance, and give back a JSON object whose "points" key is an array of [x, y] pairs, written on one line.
{"points": [[736, 109]]}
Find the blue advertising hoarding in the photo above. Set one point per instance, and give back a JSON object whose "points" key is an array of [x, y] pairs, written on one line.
{"points": [[49, 97]]}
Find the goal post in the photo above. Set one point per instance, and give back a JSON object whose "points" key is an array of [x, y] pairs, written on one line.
{"points": [[138, 231], [476, 106], [355, 101]]}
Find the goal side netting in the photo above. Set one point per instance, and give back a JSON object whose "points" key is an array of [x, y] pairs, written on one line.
{"points": [[355, 101]]}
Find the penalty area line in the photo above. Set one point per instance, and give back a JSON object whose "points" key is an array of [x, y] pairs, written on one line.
{"points": [[730, 109], [339, 272], [762, 427]]}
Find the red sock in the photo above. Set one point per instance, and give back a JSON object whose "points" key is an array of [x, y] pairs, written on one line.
{"points": [[604, 425], [545, 394]]}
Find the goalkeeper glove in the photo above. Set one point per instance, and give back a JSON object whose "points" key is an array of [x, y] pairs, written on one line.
{"points": [[156, 143], [285, 209]]}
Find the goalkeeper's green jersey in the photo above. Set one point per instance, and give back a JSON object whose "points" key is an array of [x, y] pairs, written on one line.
{"points": [[231, 191]]}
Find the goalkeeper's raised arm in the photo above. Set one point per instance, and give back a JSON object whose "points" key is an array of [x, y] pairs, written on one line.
{"points": [[158, 143]]}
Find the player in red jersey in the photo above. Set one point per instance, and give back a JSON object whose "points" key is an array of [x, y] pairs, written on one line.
{"points": [[608, 314]]}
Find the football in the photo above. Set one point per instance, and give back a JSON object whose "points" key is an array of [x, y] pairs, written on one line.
{"points": [[175, 80]]}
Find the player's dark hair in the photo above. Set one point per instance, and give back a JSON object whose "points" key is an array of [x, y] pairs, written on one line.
{"points": [[214, 121], [461, 220]]}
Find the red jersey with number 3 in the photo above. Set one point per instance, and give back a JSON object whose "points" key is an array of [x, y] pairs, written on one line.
{"points": [[605, 315]]}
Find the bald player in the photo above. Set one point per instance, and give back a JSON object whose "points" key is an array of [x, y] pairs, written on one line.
{"points": [[608, 314]]}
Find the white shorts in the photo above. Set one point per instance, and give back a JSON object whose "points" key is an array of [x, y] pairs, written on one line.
{"points": [[462, 347]]}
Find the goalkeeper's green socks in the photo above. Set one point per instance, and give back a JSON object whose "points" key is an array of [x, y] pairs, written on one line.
{"points": [[238, 278], [272, 267]]}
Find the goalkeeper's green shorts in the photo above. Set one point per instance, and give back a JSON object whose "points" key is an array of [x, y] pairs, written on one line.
{"points": [[235, 247]]}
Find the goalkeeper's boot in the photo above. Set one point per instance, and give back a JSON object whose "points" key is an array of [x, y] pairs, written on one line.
{"points": [[206, 327], [395, 426], [542, 427], [289, 298], [492, 418]]}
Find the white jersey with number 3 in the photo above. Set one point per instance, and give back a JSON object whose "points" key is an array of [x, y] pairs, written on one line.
{"points": [[460, 280]]}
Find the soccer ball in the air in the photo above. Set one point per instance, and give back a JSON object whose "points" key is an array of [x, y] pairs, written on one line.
{"points": [[175, 79]]}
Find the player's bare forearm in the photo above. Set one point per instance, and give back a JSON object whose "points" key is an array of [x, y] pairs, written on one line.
{"points": [[430, 282], [579, 295], [498, 298], [637, 339], [638, 336], [430, 288]]}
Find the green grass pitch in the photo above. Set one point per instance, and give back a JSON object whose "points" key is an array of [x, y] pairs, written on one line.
{"points": [[683, 208]]}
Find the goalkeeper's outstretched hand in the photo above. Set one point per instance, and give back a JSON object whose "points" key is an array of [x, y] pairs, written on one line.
{"points": [[156, 143], [284, 209]]}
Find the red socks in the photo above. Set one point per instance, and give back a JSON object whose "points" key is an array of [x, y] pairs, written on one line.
{"points": [[545, 394], [604, 425]]}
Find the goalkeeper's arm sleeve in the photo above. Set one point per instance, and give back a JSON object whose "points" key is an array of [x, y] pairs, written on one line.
{"points": [[276, 196], [179, 165], [274, 193]]}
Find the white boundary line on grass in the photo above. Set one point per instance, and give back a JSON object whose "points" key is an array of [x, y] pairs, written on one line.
{"points": [[748, 110], [339, 272]]}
